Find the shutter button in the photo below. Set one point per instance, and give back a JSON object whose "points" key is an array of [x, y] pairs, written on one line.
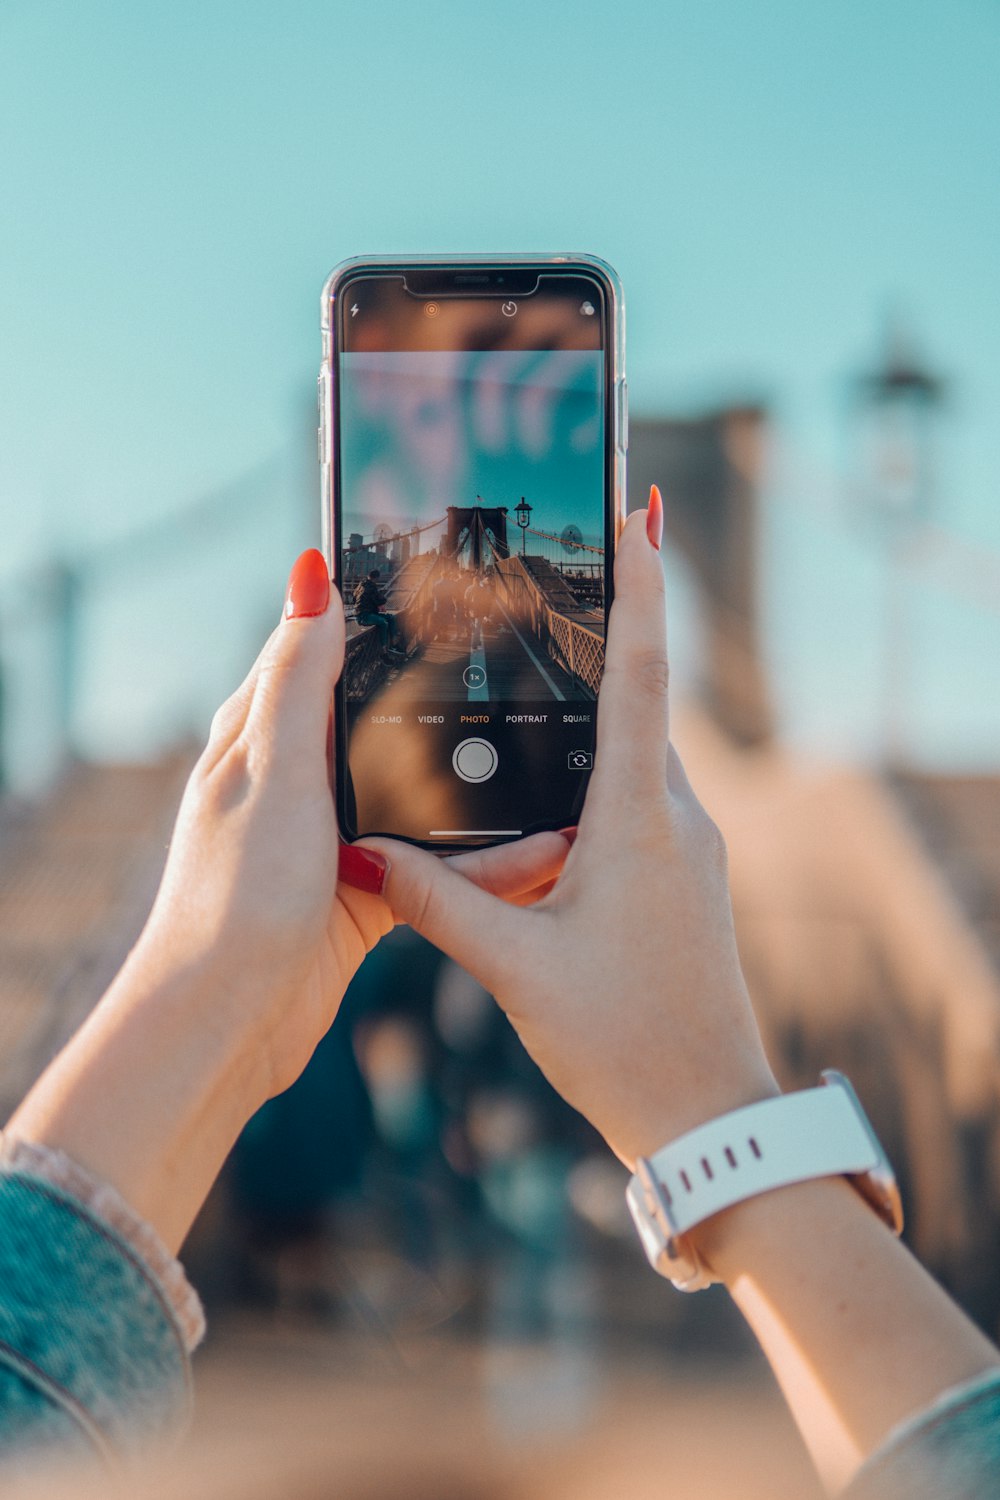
{"points": [[474, 760]]}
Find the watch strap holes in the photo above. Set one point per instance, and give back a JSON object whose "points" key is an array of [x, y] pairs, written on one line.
{"points": [[755, 1148], [706, 1168], [686, 1180], [730, 1156]]}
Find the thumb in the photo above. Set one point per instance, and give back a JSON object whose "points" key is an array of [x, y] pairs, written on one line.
{"points": [[472, 926], [301, 662], [633, 729]]}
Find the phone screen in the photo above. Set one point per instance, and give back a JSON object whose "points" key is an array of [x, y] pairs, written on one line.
{"points": [[473, 521]]}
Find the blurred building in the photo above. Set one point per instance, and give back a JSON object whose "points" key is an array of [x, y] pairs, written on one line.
{"points": [[710, 470]]}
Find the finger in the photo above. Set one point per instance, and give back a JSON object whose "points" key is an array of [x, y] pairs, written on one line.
{"points": [[290, 707], [364, 869], [511, 870], [633, 727], [472, 926], [532, 898]]}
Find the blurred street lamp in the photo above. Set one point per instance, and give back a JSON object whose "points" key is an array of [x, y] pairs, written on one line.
{"points": [[523, 514], [895, 417], [897, 407]]}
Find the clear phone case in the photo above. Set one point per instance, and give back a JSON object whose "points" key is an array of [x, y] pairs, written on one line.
{"points": [[467, 833]]}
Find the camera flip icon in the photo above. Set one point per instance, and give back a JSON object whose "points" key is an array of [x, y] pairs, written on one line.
{"points": [[580, 760]]}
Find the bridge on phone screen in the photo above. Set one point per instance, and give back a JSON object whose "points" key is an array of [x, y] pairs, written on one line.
{"points": [[478, 621]]}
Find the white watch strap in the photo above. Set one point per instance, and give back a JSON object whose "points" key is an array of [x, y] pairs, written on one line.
{"points": [[815, 1133]]}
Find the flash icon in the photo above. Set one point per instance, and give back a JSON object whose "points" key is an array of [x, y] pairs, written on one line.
{"points": [[354, 310]]}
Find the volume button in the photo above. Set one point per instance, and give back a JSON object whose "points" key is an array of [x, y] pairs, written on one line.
{"points": [[622, 415], [323, 400]]}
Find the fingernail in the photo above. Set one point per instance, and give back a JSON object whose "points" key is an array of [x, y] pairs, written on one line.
{"points": [[308, 587], [569, 834], [654, 517], [362, 868]]}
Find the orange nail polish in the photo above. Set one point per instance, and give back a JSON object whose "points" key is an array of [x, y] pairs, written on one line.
{"points": [[654, 517], [308, 587]]}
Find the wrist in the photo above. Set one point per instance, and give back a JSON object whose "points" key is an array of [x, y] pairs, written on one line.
{"points": [[748, 1153], [660, 1126], [203, 1015], [773, 1233], [150, 1094]]}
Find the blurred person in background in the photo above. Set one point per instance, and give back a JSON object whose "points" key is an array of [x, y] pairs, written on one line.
{"points": [[444, 608], [613, 956], [479, 607]]}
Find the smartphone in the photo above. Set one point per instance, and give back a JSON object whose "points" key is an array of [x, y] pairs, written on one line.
{"points": [[472, 445]]}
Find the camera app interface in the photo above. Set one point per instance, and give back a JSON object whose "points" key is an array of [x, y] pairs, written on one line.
{"points": [[473, 513]]}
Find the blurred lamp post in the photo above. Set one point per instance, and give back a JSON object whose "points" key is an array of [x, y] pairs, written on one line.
{"points": [[523, 514], [896, 410]]}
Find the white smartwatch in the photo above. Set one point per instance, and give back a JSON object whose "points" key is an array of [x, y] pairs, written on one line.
{"points": [[821, 1132]]}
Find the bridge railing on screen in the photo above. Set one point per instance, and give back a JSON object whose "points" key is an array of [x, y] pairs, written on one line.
{"points": [[578, 647]]}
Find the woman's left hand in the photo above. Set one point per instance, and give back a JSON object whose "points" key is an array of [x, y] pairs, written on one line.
{"points": [[257, 886], [261, 921]]}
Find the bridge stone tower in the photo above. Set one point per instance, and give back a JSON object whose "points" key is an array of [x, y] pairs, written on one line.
{"points": [[710, 469], [469, 524]]}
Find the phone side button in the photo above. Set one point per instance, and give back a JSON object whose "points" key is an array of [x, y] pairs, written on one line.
{"points": [[622, 415], [323, 403]]}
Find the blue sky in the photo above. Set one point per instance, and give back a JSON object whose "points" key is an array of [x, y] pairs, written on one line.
{"points": [[768, 178]]}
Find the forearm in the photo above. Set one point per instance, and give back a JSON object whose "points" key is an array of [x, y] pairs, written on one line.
{"points": [[148, 1095], [859, 1336]]}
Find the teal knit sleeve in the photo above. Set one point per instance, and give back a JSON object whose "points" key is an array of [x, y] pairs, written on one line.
{"points": [[949, 1452], [91, 1350]]}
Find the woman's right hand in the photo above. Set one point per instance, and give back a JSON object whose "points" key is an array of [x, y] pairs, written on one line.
{"points": [[624, 981], [625, 986]]}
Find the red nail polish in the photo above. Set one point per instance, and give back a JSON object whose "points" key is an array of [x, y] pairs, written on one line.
{"points": [[654, 517], [569, 834], [362, 868], [308, 587]]}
